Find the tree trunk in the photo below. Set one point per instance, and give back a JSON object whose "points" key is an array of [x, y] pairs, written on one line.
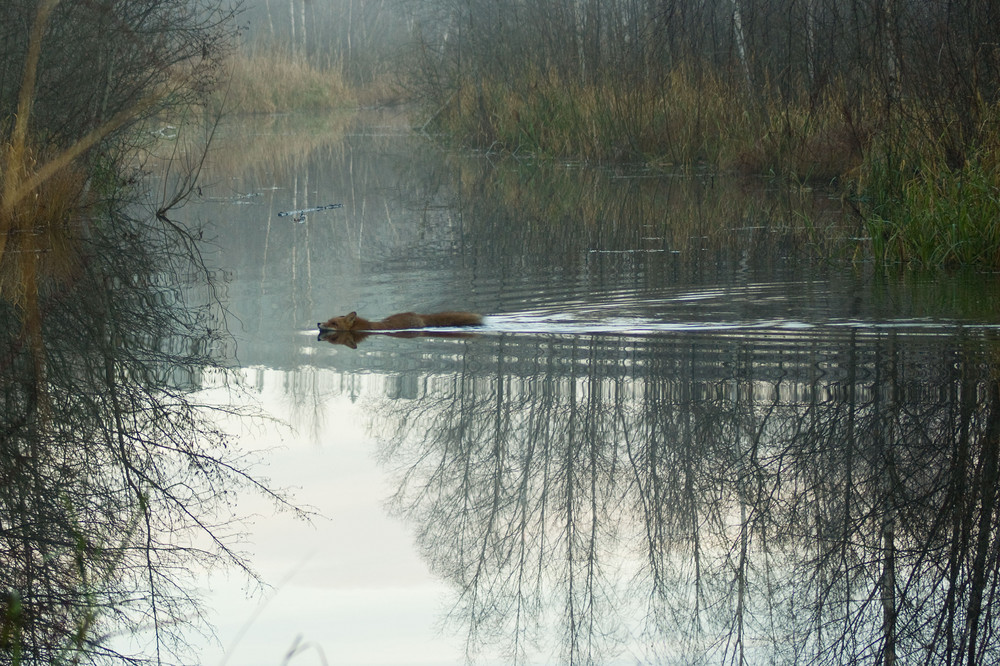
{"points": [[291, 17], [741, 44]]}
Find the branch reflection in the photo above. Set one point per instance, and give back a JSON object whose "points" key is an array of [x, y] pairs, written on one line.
{"points": [[799, 497], [114, 481]]}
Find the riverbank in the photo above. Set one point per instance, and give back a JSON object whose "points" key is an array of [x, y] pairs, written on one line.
{"points": [[927, 199], [688, 119], [278, 83]]}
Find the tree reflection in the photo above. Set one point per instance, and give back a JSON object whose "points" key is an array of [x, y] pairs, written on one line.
{"points": [[796, 497], [115, 482]]}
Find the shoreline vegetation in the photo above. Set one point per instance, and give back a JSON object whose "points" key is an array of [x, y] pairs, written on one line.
{"points": [[273, 82], [895, 104], [921, 206]]}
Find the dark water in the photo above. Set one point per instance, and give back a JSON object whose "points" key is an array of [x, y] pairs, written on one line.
{"points": [[690, 430]]}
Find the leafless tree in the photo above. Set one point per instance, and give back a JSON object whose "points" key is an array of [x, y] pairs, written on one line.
{"points": [[115, 480]]}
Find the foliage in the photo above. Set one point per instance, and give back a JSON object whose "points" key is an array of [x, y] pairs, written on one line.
{"points": [[42, 180], [929, 215], [94, 61]]}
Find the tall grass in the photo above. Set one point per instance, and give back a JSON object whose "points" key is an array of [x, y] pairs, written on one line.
{"points": [[921, 212], [688, 118], [38, 231], [919, 208], [274, 82]]}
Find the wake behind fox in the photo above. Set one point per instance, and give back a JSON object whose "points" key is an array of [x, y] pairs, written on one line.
{"points": [[400, 321]]}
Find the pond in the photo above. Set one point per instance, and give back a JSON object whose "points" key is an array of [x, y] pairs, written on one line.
{"points": [[690, 430]]}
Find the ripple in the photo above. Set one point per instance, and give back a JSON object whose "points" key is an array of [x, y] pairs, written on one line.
{"points": [[570, 324]]}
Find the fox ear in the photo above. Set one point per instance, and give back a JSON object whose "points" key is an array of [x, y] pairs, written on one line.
{"points": [[351, 317]]}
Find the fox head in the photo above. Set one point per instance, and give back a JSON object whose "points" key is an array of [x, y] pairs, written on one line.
{"points": [[346, 338], [345, 323]]}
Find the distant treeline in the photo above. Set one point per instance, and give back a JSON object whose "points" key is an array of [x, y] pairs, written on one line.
{"points": [[934, 64], [895, 100], [360, 39], [870, 64]]}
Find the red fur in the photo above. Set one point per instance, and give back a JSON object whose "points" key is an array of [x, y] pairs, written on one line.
{"points": [[401, 321], [351, 329]]}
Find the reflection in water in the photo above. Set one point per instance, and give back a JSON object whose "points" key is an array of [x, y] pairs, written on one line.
{"points": [[777, 497], [114, 482], [353, 338], [677, 437]]}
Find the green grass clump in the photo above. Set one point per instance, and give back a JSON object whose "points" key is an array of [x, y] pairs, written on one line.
{"points": [[933, 216]]}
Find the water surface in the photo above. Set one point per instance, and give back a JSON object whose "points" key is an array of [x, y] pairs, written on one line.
{"points": [[690, 430]]}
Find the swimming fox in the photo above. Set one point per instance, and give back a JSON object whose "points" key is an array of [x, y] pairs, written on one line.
{"points": [[351, 329]]}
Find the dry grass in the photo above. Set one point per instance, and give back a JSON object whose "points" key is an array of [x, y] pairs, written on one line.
{"points": [[38, 191], [277, 83], [274, 83], [921, 208], [814, 140], [38, 235], [685, 119]]}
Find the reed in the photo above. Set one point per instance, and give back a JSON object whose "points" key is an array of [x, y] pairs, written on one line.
{"points": [[691, 117], [919, 207], [923, 213], [803, 138], [274, 82]]}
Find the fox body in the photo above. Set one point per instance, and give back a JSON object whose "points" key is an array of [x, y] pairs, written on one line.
{"points": [[351, 329], [401, 321]]}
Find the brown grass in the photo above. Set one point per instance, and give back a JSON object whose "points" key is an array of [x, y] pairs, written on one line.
{"points": [[38, 235], [277, 83], [685, 119]]}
